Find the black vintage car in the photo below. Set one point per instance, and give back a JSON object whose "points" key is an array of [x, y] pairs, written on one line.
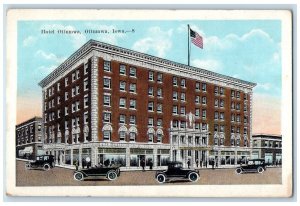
{"points": [[253, 165], [45, 162], [175, 171], [109, 172]]}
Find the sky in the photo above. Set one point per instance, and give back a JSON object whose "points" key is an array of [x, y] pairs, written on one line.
{"points": [[245, 49]]}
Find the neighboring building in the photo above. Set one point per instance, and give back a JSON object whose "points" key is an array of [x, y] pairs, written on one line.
{"points": [[29, 138], [268, 147], [106, 103]]}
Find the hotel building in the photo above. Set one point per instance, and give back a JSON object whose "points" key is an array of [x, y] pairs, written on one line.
{"points": [[29, 138], [110, 104]]}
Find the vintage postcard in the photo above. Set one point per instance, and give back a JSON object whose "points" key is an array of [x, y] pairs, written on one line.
{"points": [[149, 103]]}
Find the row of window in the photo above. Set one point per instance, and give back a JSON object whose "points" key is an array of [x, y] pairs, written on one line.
{"points": [[268, 143], [233, 142], [221, 128], [26, 129], [122, 69], [132, 136], [182, 124]]}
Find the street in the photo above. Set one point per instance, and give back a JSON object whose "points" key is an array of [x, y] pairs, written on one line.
{"points": [[64, 177]]}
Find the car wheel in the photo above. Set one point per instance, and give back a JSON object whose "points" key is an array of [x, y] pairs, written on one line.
{"points": [[260, 170], [46, 167], [161, 178], [238, 171], [193, 177], [27, 166], [78, 176], [112, 175]]}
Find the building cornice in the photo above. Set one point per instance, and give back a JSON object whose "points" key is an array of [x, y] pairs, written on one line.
{"points": [[109, 49]]}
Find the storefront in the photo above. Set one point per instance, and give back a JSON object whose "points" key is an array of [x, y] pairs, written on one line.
{"points": [[137, 155], [112, 156], [163, 156]]}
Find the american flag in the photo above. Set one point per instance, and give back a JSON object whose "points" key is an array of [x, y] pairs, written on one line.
{"points": [[196, 39]]}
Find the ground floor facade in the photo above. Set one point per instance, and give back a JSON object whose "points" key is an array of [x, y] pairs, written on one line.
{"points": [[29, 151], [272, 156]]}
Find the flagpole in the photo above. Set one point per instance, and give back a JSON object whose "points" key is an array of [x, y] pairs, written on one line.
{"points": [[188, 45]]}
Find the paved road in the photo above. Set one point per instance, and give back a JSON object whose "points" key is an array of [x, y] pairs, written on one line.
{"points": [[64, 177]]}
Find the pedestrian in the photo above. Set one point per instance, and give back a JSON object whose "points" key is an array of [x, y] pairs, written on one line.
{"points": [[217, 163], [197, 162], [143, 164], [213, 164], [112, 161], [76, 164], [206, 163], [150, 164], [88, 162], [188, 163], [201, 163]]}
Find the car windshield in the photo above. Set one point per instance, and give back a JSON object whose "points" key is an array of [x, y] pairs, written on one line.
{"points": [[178, 165], [256, 162]]}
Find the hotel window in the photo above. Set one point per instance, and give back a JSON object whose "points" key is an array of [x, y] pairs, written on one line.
{"points": [[175, 110], [106, 83], [175, 95], [245, 130], [238, 106], [175, 123], [73, 77], [122, 86], [222, 141], [66, 96], [52, 102], [86, 118], [150, 91], [197, 86], [85, 84], [58, 86], [45, 106], [245, 106], [197, 112], [86, 68], [222, 128], [221, 91], [122, 119], [197, 100], [132, 136], [150, 106], [66, 125], [182, 124], [204, 114], [159, 122], [106, 117], [151, 76], [132, 119], [73, 123], [216, 115], [245, 143], [159, 77], [221, 102], [49, 103], [197, 125], [182, 96], [77, 90], [106, 135], [77, 105], [49, 91], [150, 137], [132, 72], [232, 105], [216, 141], [122, 102], [204, 87], [182, 110], [222, 115], [132, 104], [86, 101], [159, 107], [66, 110], [232, 129], [58, 100], [266, 143], [73, 107], [245, 120], [232, 117], [107, 66], [122, 135], [216, 102], [77, 74], [45, 95], [232, 93], [238, 130], [159, 138], [203, 100], [150, 121], [122, 70], [216, 128], [77, 122], [216, 90], [159, 92], [132, 88], [106, 100], [245, 97], [174, 81], [73, 92], [232, 141], [238, 94], [182, 83]]}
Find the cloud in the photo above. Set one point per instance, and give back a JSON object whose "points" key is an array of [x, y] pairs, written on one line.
{"points": [[77, 39], [157, 41], [49, 56], [208, 64], [29, 41], [265, 86]]}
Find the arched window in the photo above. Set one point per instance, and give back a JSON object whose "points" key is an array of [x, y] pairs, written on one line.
{"points": [[159, 134], [132, 136], [106, 135], [122, 135], [150, 137]]}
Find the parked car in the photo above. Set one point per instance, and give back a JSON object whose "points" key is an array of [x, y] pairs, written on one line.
{"points": [[45, 162], [253, 165], [109, 172], [176, 171]]}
